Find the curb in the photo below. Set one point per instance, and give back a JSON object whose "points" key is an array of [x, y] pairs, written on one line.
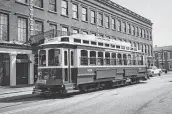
{"points": [[13, 92], [24, 96]]}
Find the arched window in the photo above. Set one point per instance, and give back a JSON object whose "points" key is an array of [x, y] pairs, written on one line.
{"points": [[92, 58], [113, 59], [84, 57], [107, 58]]}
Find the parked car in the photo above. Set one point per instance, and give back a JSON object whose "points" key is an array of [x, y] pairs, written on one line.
{"points": [[153, 70], [164, 70]]}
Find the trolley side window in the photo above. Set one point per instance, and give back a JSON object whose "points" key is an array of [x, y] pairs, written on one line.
{"points": [[84, 57], [134, 60], [92, 58], [129, 60], [54, 57], [107, 58], [125, 59], [100, 58], [65, 58], [42, 58], [119, 59], [65, 39], [113, 59]]}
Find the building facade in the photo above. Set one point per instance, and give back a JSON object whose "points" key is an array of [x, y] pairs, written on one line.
{"points": [[163, 57], [21, 20]]}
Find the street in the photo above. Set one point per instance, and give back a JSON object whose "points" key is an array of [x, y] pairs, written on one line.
{"points": [[150, 97]]}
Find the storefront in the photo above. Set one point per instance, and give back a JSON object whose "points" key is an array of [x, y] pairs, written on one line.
{"points": [[16, 67]]}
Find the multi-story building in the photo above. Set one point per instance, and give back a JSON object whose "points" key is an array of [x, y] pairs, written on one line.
{"points": [[163, 57], [21, 19]]}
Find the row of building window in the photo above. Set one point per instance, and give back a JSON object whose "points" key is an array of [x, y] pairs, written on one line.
{"points": [[22, 28], [38, 28], [121, 26], [97, 18], [166, 55], [143, 47]]}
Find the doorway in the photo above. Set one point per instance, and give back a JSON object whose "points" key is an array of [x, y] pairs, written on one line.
{"points": [[22, 68]]}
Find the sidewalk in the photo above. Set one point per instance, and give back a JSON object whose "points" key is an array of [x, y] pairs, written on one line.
{"points": [[14, 93]]}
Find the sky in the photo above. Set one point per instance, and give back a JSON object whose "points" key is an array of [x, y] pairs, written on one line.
{"points": [[159, 12]]}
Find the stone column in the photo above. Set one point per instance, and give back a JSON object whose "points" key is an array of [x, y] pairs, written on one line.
{"points": [[31, 69], [13, 69]]}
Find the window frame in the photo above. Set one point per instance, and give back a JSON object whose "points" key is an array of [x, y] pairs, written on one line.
{"points": [[128, 28], [52, 4], [132, 30], [22, 29], [6, 24], [42, 29], [100, 19], [107, 23], [93, 17], [119, 25], [21, 1], [84, 14], [75, 11], [64, 9], [75, 30], [113, 24], [66, 32], [124, 27], [40, 3]]}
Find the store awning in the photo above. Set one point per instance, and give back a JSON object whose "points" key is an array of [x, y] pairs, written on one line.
{"points": [[23, 61]]}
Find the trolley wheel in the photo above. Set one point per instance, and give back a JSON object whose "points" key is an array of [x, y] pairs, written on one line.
{"points": [[63, 93], [83, 89]]}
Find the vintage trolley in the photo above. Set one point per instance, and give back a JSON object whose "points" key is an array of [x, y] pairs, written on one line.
{"points": [[84, 62]]}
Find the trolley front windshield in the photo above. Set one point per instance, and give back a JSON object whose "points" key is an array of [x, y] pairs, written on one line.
{"points": [[53, 57]]}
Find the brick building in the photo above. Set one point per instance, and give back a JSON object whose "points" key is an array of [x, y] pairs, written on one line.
{"points": [[163, 57], [21, 20]]}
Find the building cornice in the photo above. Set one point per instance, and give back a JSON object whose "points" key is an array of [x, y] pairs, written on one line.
{"points": [[125, 10]]}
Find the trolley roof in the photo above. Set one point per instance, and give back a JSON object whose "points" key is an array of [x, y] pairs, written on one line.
{"points": [[78, 39], [57, 40]]}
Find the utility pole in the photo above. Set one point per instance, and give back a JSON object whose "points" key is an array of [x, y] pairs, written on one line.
{"points": [[162, 58]]}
